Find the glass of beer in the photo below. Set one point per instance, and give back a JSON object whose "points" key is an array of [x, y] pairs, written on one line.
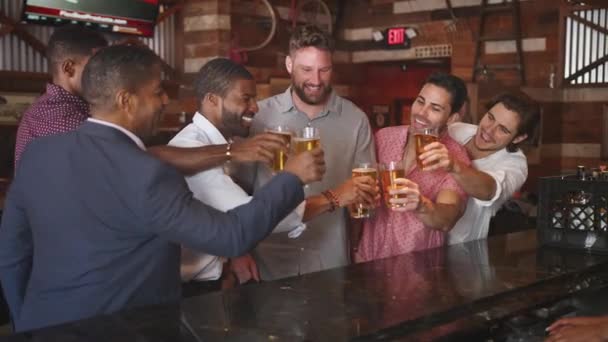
{"points": [[424, 136], [280, 157], [307, 139], [389, 172], [360, 210]]}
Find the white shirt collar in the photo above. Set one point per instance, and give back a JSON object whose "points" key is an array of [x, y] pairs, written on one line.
{"points": [[130, 134], [214, 135]]}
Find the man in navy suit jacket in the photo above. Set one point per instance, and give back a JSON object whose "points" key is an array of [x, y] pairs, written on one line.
{"points": [[93, 223]]}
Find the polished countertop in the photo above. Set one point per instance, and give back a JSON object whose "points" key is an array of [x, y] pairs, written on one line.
{"points": [[426, 294]]}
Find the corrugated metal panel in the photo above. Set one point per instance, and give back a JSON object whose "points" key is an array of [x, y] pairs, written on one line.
{"points": [[163, 42], [17, 55], [584, 45]]}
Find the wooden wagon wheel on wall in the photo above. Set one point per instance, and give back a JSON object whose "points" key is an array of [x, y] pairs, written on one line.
{"points": [[254, 24], [314, 12]]}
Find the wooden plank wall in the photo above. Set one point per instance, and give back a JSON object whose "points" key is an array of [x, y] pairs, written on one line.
{"points": [[572, 131]]}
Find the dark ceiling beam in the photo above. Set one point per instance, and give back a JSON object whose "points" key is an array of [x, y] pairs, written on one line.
{"points": [[459, 12]]}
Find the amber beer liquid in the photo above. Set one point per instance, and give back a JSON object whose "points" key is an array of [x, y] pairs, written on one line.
{"points": [[280, 157], [421, 141], [360, 210], [388, 182], [305, 144]]}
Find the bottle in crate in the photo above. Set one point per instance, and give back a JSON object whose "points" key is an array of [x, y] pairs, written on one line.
{"points": [[557, 215], [581, 214]]}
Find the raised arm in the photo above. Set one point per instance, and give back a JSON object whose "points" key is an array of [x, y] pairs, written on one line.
{"points": [[509, 176], [441, 214], [172, 212], [190, 160], [475, 183]]}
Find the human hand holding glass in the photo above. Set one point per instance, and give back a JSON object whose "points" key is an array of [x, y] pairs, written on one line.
{"points": [[364, 178], [280, 156], [389, 172], [405, 196], [259, 148], [309, 166], [306, 139], [436, 156], [423, 137]]}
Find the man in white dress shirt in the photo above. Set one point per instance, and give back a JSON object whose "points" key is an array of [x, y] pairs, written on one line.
{"points": [[226, 94], [499, 167], [227, 100]]}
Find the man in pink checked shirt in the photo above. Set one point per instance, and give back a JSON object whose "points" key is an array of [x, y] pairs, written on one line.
{"points": [[434, 201]]}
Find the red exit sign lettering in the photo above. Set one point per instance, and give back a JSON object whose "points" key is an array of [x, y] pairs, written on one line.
{"points": [[395, 36]]}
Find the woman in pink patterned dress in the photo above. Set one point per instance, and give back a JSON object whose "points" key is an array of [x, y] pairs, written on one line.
{"points": [[434, 200]]}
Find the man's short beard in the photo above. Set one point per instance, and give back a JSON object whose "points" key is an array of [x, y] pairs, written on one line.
{"points": [[302, 95], [232, 122]]}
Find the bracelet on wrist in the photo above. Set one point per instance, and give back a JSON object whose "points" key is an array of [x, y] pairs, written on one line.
{"points": [[229, 151], [332, 198]]}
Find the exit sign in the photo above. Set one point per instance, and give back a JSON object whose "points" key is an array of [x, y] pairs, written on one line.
{"points": [[396, 37]]}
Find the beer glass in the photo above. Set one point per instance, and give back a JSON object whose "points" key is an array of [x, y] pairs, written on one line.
{"points": [[424, 136], [360, 210], [307, 139], [389, 172], [280, 157]]}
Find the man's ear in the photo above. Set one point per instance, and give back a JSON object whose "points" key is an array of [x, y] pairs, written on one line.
{"points": [[519, 139], [124, 101], [213, 99], [67, 67], [289, 64], [454, 117]]}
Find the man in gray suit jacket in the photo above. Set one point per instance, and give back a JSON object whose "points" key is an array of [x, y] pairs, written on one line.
{"points": [[93, 223]]}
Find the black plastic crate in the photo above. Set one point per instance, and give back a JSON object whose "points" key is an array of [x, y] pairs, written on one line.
{"points": [[573, 213]]}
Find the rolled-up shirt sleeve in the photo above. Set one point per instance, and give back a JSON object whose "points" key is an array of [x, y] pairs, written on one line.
{"points": [[509, 178]]}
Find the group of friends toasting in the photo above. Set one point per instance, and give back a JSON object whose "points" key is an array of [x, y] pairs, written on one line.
{"points": [[96, 222]]}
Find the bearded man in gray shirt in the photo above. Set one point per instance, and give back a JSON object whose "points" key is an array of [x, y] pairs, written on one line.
{"points": [[346, 139]]}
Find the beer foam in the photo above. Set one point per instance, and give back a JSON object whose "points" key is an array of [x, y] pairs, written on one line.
{"points": [[364, 170], [282, 133]]}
